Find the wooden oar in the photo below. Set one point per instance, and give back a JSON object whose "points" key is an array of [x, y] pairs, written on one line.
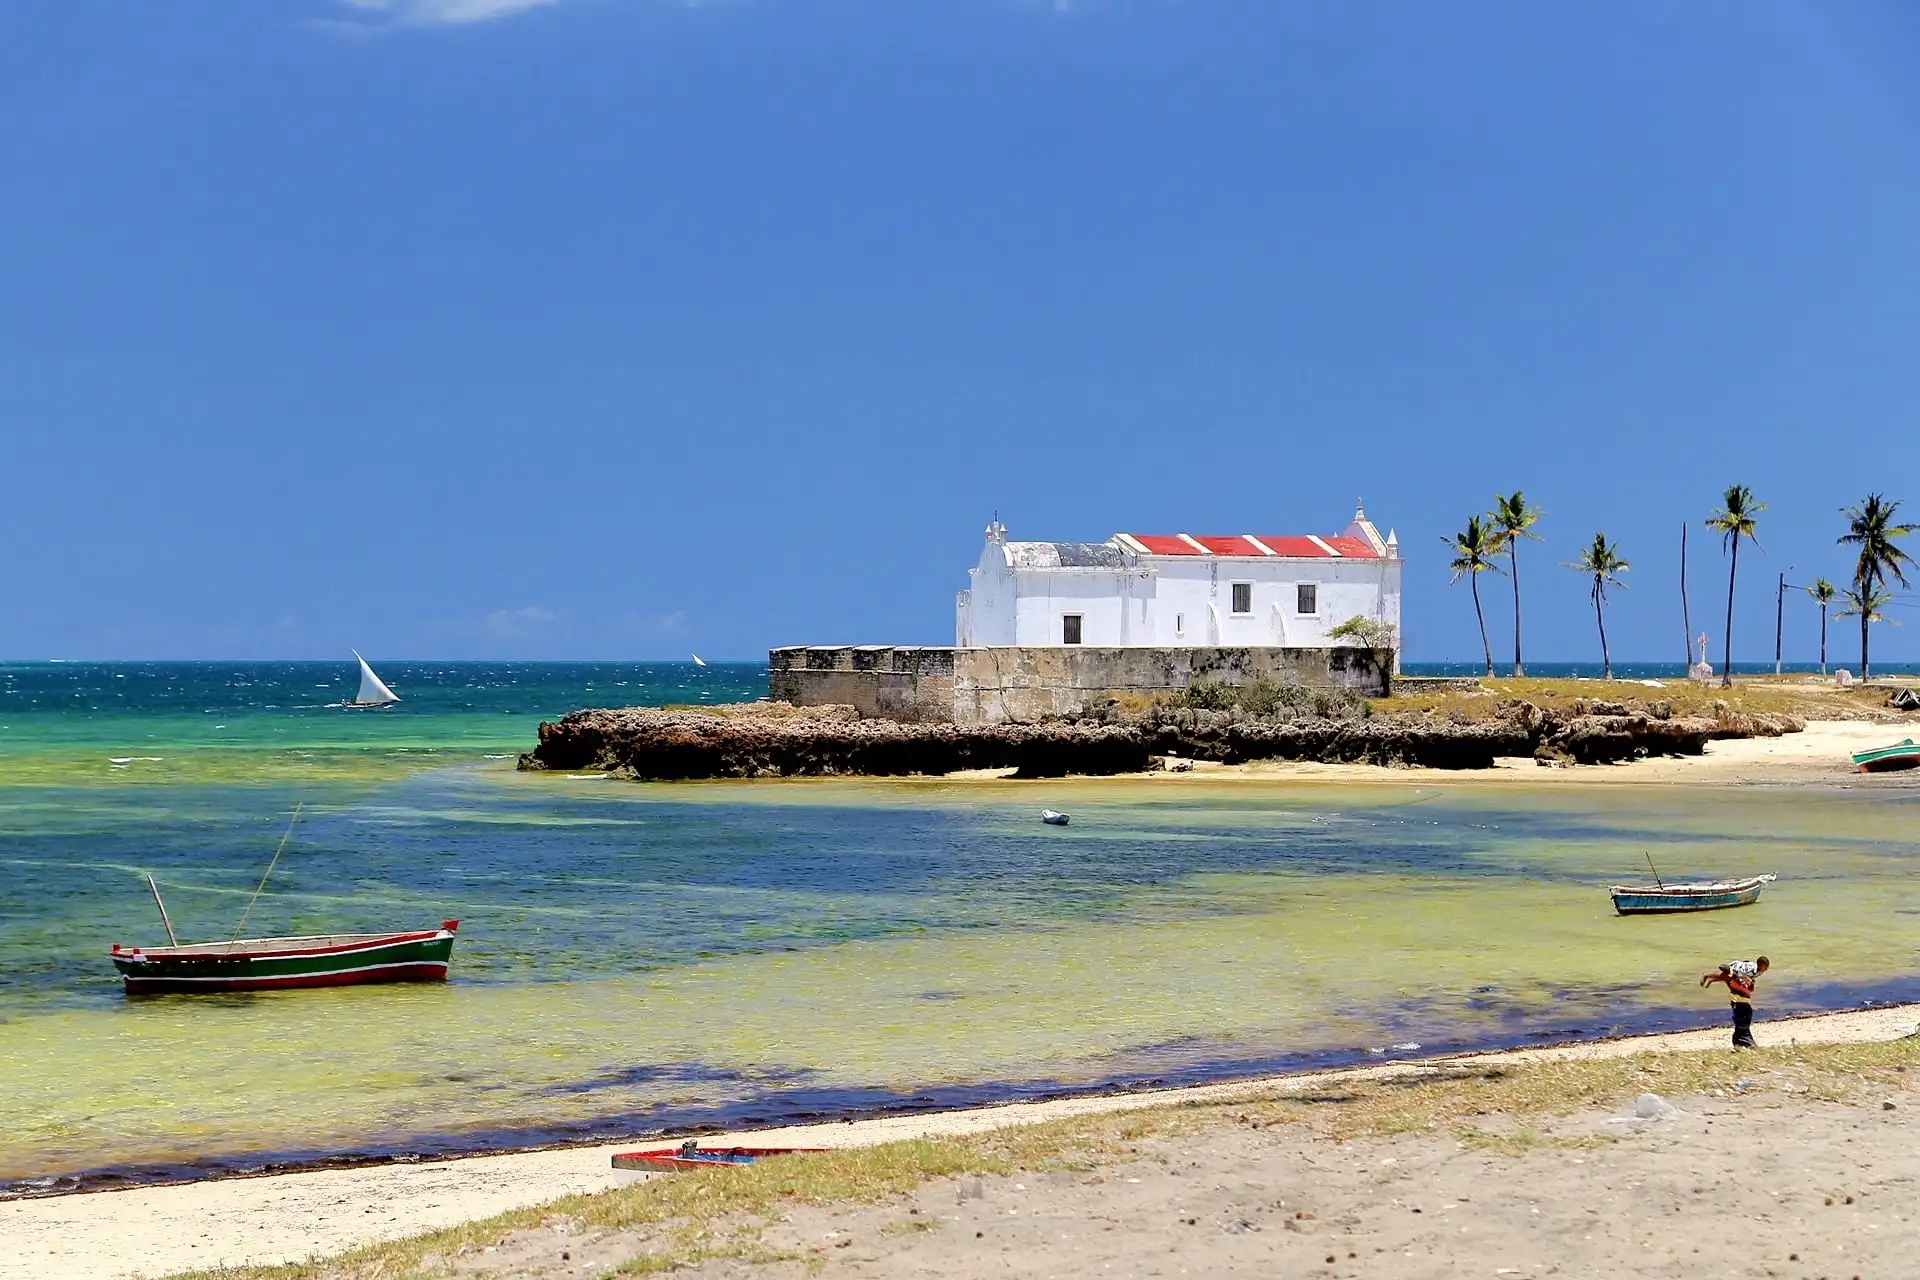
{"points": [[241, 927], [171, 940], [1656, 872]]}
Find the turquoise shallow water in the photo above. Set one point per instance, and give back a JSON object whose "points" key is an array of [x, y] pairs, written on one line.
{"points": [[634, 958]]}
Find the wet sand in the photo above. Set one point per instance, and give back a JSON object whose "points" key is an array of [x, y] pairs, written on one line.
{"points": [[1360, 1192]]}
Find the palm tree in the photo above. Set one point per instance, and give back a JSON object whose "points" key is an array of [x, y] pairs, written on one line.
{"points": [[1737, 518], [1822, 592], [1602, 561], [1473, 551], [1866, 603], [1514, 517], [1871, 528]]}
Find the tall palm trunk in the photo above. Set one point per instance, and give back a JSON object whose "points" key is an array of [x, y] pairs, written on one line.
{"points": [[1600, 616], [1513, 561], [1473, 580], [1865, 623], [1823, 639], [1726, 651]]}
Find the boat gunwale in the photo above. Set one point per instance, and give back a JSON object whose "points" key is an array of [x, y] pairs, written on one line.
{"points": [[330, 944], [1713, 889]]}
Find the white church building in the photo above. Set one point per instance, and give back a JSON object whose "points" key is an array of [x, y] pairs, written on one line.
{"points": [[1173, 589]]}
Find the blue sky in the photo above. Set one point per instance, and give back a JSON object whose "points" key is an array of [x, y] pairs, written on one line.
{"points": [[623, 328]]}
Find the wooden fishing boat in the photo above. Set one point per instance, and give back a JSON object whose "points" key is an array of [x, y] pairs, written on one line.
{"points": [[1663, 899], [276, 964], [691, 1155], [1901, 755]]}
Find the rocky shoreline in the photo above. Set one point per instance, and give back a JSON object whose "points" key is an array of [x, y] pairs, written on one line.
{"points": [[769, 740]]}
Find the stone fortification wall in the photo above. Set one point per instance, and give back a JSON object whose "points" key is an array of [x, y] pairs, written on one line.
{"points": [[1015, 685], [910, 683]]}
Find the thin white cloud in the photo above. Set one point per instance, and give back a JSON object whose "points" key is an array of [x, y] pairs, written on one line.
{"points": [[519, 622], [442, 13]]}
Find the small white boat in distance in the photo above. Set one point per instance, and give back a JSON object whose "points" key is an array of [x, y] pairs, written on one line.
{"points": [[699, 661], [1052, 818], [373, 691]]}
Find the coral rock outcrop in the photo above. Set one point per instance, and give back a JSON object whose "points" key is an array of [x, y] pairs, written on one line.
{"points": [[765, 740]]}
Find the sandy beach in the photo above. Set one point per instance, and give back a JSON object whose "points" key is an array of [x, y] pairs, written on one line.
{"points": [[1129, 1220], [1818, 754], [1734, 1183]]}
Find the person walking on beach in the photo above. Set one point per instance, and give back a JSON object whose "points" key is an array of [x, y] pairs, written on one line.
{"points": [[1740, 976]]}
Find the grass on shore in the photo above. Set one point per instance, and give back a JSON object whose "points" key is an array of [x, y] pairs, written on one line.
{"points": [[1787, 695], [685, 1218]]}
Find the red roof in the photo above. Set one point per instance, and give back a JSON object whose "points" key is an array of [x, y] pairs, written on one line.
{"points": [[1164, 544], [1295, 546], [1229, 545]]}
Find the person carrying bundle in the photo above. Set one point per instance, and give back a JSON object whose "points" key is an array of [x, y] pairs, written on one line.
{"points": [[1741, 976]]}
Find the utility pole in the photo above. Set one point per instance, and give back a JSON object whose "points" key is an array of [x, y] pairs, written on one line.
{"points": [[1686, 619], [1779, 610]]}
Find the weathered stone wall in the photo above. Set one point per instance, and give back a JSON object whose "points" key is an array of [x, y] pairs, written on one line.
{"points": [[1015, 685], [1019, 685], [894, 682]]}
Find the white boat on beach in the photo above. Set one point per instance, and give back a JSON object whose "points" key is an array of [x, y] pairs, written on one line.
{"points": [[373, 690]]}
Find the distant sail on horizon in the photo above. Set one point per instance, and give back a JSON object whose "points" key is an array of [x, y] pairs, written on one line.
{"points": [[699, 661], [373, 691]]}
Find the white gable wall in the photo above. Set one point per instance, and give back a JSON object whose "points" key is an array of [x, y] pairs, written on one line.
{"points": [[1015, 598], [986, 608]]}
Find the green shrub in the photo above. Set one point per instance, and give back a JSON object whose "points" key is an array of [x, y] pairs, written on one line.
{"points": [[1203, 694], [1264, 698], [1367, 633]]}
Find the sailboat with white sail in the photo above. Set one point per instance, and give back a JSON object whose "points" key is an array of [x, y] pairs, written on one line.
{"points": [[373, 690]]}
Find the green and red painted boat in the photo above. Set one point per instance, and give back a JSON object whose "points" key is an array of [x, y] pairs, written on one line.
{"points": [[1901, 755], [277, 964]]}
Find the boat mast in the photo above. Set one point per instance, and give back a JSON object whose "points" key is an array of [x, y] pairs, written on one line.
{"points": [[171, 940], [241, 927], [1686, 619]]}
